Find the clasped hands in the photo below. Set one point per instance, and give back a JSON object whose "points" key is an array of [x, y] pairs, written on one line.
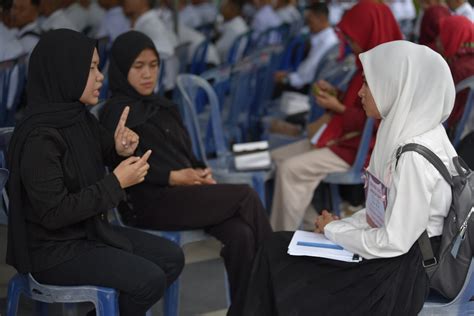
{"points": [[191, 176], [322, 220]]}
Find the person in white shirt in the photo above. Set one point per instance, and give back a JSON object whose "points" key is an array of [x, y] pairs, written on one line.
{"points": [[415, 82], [233, 26], [114, 22], [287, 12], [461, 7], [188, 15], [206, 10], [323, 37], [265, 17], [24, 17], [76, 13], [95, 15], [54, 17]]}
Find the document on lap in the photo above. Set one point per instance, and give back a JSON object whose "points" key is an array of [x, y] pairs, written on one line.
{"points": [[317, 245]]}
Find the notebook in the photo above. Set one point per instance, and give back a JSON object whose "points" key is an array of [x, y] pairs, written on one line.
{"points": [[317, 245]]}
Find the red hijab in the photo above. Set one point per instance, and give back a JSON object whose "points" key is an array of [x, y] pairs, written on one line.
{"points": [[430, 25], [457, 36], [367, 24]]}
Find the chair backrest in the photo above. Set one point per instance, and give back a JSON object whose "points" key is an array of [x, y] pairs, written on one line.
{"points": [[103, 47], [219, 78], [466, 83], [182, 52], [272, 36], [294, 53], [364, 146], [12, 83], [239, 47], [188, 86], [198, 64]]}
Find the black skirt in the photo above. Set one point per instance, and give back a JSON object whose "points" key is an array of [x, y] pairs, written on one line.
{"points": [[286, 285]]}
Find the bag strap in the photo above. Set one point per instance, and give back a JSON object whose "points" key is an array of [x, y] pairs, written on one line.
{"points": [[424, 243], [430, 156]]}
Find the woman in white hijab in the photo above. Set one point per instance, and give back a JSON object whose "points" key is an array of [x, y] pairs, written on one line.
{"points": [[410, 88]]}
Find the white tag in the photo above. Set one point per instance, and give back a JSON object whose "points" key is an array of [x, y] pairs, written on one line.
{"points": [[375, 201]]}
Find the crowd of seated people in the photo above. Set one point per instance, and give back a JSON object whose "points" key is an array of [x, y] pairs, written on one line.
{"points": [[59, 199]]}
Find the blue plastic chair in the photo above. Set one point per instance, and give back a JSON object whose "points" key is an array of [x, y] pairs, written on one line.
{"points": [[355, 174], [462, 304], [219, 78], [103, 47], [223, 168], [182, 52], [105, 300], [243, 89], [294, 53], [239, 47], [198, 63], [272, 36], [12, 72], [466, 83]]}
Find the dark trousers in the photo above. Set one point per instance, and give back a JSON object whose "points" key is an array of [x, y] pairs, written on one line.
{"points": [[231, 213], [140, 277]]}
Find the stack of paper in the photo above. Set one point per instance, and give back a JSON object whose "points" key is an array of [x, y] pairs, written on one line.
{"points": [[252, 156], [317, 245]]}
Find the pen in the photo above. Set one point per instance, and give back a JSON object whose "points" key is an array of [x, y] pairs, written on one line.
{"points": [[318, 245]]}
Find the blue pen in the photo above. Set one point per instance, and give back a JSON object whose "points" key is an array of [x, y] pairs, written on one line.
{"points": [[318, 245]]}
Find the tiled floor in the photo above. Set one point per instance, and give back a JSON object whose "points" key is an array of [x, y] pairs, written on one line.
{"points": [[202, 283]]}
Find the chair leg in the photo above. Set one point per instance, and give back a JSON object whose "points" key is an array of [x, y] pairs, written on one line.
{"points": [[335, 199], [41, 308], [70, 309], [17, 285], [171, 300], [107, 304]]}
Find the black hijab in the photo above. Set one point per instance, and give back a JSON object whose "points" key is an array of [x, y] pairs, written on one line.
{"points": [[123, 53], [58, 72]]}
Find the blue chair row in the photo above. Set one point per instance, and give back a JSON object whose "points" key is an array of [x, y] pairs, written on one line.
{"points": [[223, 167], [239, 48]]}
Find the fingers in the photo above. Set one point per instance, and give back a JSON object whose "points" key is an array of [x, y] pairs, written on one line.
{"points": [[129, 137], [143, 160], [130, 160], [122, 121]]}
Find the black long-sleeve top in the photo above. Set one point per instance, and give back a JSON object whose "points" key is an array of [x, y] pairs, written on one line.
{"points": [[56, 207]]}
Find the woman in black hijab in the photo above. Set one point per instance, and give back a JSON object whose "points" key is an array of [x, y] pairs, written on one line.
{"points": [[179, 191], [59, 194]]}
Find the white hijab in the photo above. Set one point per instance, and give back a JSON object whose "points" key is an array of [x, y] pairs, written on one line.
{"points": [[414, 92]]}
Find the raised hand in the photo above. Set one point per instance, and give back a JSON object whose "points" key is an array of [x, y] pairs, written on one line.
{"points": [[126, 140], [132, 170]]}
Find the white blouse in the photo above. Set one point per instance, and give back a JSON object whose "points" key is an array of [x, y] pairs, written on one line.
{"points": [[418, 199]]}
